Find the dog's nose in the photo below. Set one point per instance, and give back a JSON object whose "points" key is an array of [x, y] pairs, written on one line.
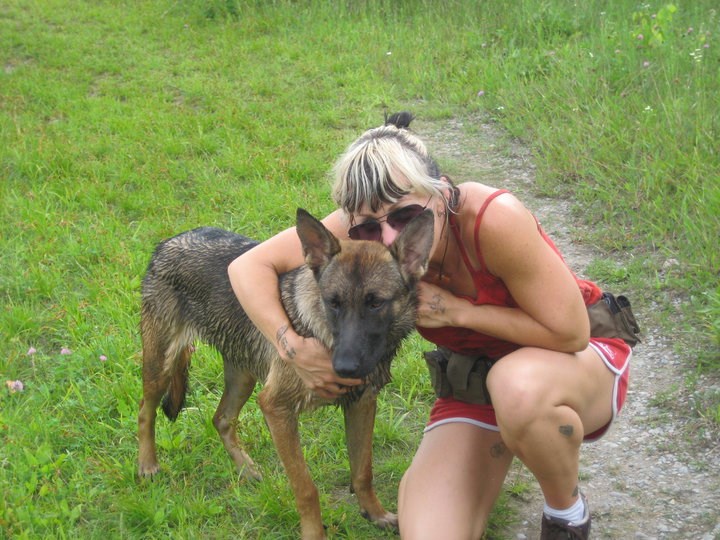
{"points": [[347, 366], [348, 372]]}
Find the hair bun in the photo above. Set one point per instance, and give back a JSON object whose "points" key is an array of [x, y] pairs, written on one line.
{"points": [[400, 120]]}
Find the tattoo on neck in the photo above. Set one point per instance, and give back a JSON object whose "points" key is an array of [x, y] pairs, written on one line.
{"points": [[575, 492], [283, 342], [567, 430]]}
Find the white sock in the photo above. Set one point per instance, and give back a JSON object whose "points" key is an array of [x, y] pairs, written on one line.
{"points": [[573, 514]]}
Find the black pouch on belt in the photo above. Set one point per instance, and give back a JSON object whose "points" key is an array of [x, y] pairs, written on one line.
{"points": [[460, 376], [612, 317], [437, 364]]}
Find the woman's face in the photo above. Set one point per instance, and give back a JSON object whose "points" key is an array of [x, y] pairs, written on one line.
{"points": [[389, 220]]}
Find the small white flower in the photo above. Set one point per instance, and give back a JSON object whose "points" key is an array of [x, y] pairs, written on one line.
{"points": [[15, 386]]}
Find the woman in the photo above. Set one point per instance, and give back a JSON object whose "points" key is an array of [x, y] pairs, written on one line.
{"points": [[506, 313]]}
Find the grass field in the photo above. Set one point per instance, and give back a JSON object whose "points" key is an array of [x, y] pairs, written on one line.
{"points": [[122, 123]]}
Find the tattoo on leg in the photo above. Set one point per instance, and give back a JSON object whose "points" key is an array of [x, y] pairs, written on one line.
{"points": [[567, 430], [283, 342], [497, 450]]}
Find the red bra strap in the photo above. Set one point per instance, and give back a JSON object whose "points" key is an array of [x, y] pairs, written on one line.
{"points": [[478, 220]]}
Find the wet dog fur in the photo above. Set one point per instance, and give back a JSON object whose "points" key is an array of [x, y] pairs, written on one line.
{"points": [[358, 298]]}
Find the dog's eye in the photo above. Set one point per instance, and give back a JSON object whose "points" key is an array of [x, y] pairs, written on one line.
{"points": [[334, 303], [373, 302]]}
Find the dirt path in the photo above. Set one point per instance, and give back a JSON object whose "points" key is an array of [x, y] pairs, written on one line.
{"points": [[647, 478]]}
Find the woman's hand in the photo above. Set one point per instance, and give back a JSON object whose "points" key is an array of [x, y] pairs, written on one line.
{"points": [[313, 364], [434, 306]]}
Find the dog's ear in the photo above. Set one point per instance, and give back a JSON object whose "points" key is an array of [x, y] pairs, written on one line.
{"points": [[412, 246], [319, 244]]}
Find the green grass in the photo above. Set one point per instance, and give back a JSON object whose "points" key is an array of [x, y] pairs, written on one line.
{"points": [[124, 123]]}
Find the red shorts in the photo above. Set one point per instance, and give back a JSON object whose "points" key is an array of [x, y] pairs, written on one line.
{"points": [[614, 352]]}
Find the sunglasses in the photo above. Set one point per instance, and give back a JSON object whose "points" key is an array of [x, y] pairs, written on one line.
{"points": [[397, 219]]}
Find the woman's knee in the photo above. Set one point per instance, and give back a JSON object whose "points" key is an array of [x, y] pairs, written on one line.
{"points": [[414, 499], [518, 391], [452, 498], [424, 517]]}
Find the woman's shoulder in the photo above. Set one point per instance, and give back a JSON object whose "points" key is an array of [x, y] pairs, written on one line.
{"points": [[497, 206], [499, 226], [338, 223]]}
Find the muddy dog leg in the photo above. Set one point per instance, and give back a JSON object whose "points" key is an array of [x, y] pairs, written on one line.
{"points": [[282, 421], [239, 385], [359, 424], [164, 372], [153, 391]]}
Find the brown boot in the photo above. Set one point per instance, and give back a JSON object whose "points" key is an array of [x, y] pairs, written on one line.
{"points": [[559, 529]]}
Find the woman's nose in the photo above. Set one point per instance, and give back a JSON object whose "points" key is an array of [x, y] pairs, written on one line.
{"points": [[388, 234]]}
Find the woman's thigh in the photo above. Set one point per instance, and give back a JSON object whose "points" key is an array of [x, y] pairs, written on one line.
{"points": [[452, 483], [532, 381]]}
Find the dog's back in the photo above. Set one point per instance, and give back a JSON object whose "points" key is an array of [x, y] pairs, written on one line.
{"points": [[187, 296]]}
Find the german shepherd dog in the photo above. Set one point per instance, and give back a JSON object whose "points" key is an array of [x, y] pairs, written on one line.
{"points": [[356, 297]]}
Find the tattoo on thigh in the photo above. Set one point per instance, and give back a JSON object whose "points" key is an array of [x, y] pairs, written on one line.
{"points": [[567, 430], [497, 450], [283, 342]]}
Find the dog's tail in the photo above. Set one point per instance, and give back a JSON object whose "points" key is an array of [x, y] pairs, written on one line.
{"points": [[174, 399]]}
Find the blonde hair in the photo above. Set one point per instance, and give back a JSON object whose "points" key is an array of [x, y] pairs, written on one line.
{"points": [[384, 164]]}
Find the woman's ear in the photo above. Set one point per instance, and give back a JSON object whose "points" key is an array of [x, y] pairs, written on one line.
{"points": [[441, 205], [447, 193]]}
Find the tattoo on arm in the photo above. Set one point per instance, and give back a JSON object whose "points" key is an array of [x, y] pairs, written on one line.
{"points": [[567, 430], [283, 342]]}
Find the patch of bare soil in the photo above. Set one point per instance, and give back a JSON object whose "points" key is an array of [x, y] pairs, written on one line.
{"points": [[651, 476]]}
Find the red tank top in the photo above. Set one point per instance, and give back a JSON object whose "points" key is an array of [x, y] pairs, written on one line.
{"points": [[490, 290]]}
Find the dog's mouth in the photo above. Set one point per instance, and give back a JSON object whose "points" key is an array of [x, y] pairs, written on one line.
{"points": [[350, 387], [353, 374]]}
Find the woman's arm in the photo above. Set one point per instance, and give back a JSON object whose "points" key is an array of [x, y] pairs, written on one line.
{"points": [[254, 279], [550, 313]]}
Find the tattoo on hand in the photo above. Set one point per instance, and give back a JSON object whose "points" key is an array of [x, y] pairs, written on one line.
{"points": [[436, 304], [567, 430], [283, 342]]}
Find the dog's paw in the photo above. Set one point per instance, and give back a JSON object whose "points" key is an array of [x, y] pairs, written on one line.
{"points": [[387, 520], [148, 470], [249, 472]]}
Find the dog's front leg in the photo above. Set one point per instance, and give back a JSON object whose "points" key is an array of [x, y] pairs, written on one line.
{"points": [[281, 416], [239, 384], [359, 424]]}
